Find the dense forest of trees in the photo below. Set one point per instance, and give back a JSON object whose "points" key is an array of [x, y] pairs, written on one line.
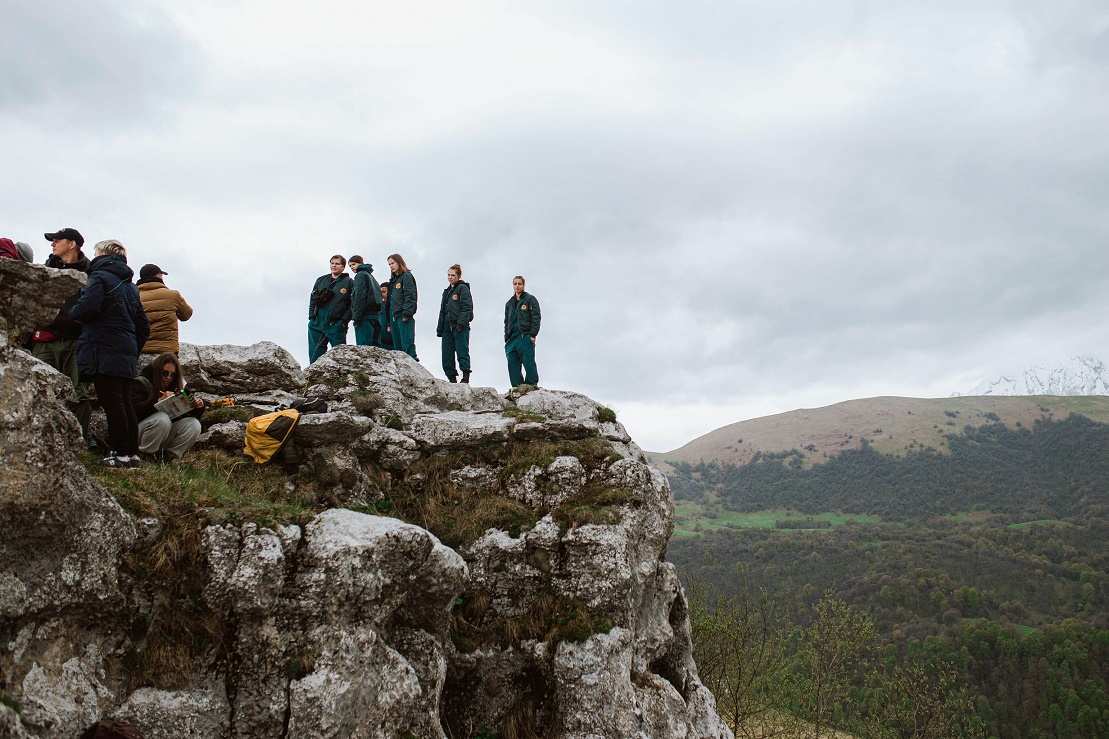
{"points": [[1057, 469], [1019, 612]]}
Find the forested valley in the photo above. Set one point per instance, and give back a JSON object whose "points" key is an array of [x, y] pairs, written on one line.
{"points": [[985, 576]]}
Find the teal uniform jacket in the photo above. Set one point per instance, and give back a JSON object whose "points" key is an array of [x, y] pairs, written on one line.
{"points": [[457, 309], [337, 309], [402, 296], [365, 299], [528, 316]]}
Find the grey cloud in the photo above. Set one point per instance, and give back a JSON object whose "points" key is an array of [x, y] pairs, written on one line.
{"points": [[95, 66]]}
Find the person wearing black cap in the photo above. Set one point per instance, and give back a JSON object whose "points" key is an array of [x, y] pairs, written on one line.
{"points": [[56, 344], [164, 307], [329, 309]]}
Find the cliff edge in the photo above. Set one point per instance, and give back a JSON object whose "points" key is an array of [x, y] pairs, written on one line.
{"points": [[471, 564]]}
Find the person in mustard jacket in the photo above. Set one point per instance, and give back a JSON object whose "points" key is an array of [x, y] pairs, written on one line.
{"points": [[329, 309], [402, 306], [164, 307], [521, 326], [455, 315]]}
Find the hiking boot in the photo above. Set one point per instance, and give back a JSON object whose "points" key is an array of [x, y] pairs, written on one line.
{"points": [[112, 460], [453, 379], [466, 377]]}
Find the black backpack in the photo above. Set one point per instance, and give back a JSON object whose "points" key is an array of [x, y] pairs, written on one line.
{"points": [[306, 405]]}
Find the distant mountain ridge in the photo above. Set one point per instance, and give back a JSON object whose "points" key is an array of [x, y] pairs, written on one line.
{"points": [[890, 425], [1076, 376]]}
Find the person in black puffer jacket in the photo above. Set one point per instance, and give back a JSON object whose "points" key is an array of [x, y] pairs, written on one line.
{"points": [[113, 328]]}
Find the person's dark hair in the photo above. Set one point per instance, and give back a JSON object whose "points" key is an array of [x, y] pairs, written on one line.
{"points": [[158, 383], [340, 257], [521, 279], [455, 268], [400, 262], [355, 259]]}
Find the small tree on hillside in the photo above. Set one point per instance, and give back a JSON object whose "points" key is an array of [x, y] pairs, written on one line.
{"points": [[830, 655], [738, 644]]}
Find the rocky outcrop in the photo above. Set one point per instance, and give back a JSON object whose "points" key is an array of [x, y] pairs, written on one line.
{"points": [[534, 596], [32, 296], [64, 537], [226, 369]]}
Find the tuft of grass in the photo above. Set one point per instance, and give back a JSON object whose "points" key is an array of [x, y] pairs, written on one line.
{"points": [[527, 719], [361, 379], [606, 415], [552, 618], [10, 702], [225, 414], [395, 423], [594, 505], [209, 487], [458, 516], [299, 663], [521, 415], [521, 456], [367, 402]]}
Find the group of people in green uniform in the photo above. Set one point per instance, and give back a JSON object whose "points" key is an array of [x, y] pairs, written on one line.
{"points": [[384, 315]]}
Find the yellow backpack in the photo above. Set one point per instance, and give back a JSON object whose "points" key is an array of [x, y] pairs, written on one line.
{"points": [[265, 435]]}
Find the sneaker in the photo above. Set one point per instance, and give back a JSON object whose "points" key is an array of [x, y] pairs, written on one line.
{"points": [[134, 462], [113, 460]]}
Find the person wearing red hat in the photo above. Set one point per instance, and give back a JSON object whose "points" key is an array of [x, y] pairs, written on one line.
{"points": [[164, 307]]}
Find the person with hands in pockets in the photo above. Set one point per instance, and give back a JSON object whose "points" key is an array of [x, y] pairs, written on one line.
{"points": [[455, 315], [402, 306], [521, 326]]}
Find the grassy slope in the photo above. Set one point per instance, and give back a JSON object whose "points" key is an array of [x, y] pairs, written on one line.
{"points": [[905, 423], [690, 519]]}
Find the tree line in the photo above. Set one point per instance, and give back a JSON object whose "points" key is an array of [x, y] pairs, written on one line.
{"points": [[1057, 469]]}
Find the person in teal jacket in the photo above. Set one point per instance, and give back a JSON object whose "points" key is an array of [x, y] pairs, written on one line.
{"points": [[521, 326], [329, 309], [455, 315], [365, 303], [402, 306]]}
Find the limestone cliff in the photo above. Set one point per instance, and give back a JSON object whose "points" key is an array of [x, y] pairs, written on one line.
{"points": [[538, 603]]}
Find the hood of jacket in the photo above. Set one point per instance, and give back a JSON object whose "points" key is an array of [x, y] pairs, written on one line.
{"points": [[81, 264], [113, 265], [366, 268]]}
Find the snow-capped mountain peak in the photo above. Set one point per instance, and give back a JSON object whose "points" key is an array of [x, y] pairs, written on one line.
{"points": [[1077, 376]]}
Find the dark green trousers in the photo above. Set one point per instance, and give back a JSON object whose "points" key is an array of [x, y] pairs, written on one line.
{"points": [[61, 354], [456, 343]]}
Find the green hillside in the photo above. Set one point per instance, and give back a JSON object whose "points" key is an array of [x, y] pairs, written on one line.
{"points": [[987, 550]]}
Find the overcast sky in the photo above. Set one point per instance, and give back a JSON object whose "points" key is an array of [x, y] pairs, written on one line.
{"points": [[726, 209]]}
